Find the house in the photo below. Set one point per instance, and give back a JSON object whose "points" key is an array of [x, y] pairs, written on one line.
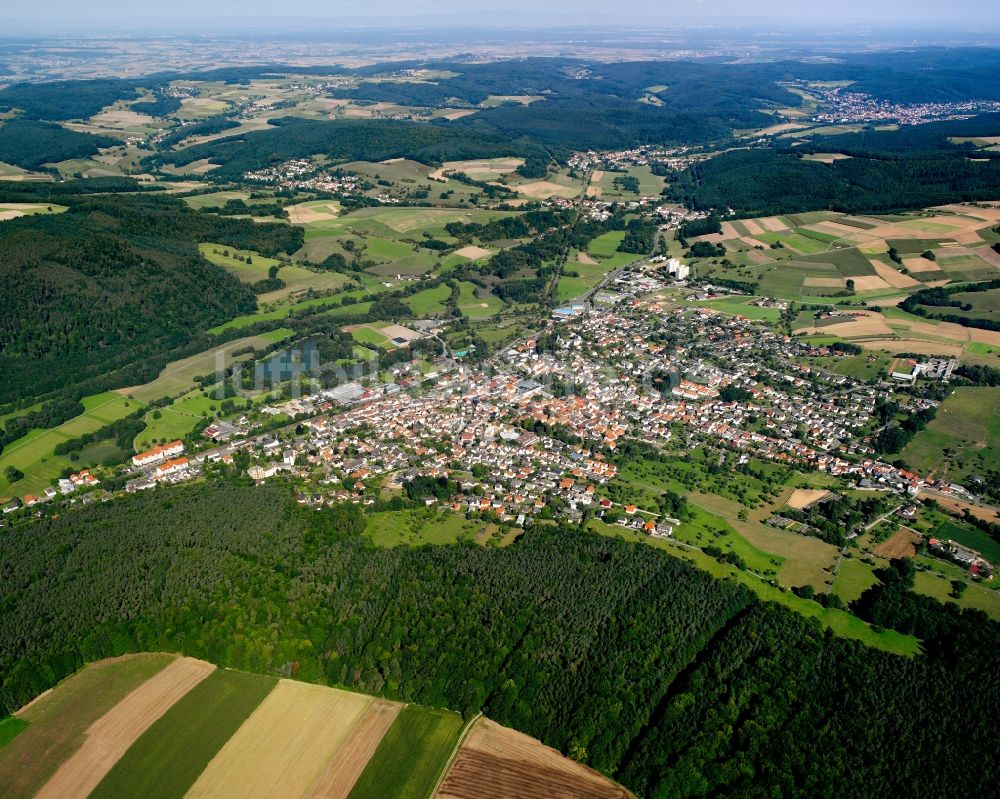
{"points": [[158, 454], [172, 467]]}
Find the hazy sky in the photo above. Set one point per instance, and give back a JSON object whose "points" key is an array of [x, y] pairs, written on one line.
{"points": [[53, 15]]}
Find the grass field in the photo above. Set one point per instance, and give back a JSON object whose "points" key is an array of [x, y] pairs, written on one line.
{"points": [[165, 762], [963, 438], [411, 756], [741, 306], [57, 721], [477, 303], [424, 526], [33, 454], [429, 303], [588, 276], [177, 377], [650, 185], [853, 578]]}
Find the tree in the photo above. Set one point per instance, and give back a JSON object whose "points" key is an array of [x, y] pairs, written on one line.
{"points": [[13, 474]]}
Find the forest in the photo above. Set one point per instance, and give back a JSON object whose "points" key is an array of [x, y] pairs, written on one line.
{"points": [[30, 144], [618, 654], [362, 140], [114, 283]]}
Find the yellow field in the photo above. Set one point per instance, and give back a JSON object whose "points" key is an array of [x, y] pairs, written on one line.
{"points": [[286, 745]]}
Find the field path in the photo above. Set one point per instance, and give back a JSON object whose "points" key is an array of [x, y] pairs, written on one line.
{"points": [[110, 736], [283, 749], [351, 758]]}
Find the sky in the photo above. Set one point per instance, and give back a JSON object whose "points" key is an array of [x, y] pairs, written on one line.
{"points": [[61, 15]]}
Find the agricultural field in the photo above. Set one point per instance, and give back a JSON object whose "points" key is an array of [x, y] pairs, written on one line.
{"points": [[111, 735], [164, 727], [495, 761], [962, 439], [603, 184], [15, 210], [412, 755], [34, 455], [57, 721]]}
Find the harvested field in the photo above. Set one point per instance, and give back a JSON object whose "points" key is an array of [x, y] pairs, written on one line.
{"points": [[862, 325], [752, 228], [308, 213], [804, 497], [583, 258], [597, 175], [285, 745], [351, 758], [920, 265], [110, 736], [870, 283], [958, 507], [473, 252], [895, 279], [901, 544], [494, 761], [825, 282], [543, 189], [772, 224]]}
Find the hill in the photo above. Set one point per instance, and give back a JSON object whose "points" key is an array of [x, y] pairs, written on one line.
{"points": [[610, 652], [115, 284], [30, 144]]}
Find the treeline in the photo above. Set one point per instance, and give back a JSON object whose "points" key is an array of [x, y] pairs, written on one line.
{"points": [[941, 297], [29, 144], [895, 436], [509, 227], [618, 654]]}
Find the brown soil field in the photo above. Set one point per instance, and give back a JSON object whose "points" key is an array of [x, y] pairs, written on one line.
{"points": [[543, 189], [985, 336], [833, 228], [895, 279], [772, 224], [594, 191], [5, 215], [958, 507], [860, 326], [825, 282], [497, 762], [353, 755], [473, 252], [804, 497], [869, 283], [284, 748], [459, 113], [304, 214], [752, 227], [911, 345], [920, 265], [583, 258], [901, 544], [110, 736], [597, 175]]}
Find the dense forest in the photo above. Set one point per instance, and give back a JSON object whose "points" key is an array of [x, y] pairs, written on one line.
{"points": [[115, 282], [366, 140], [618, 654], [30, 144], [911, 168]]}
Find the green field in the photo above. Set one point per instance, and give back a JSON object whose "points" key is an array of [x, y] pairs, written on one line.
{"points": [[57, 722], [970, 537], [430, 302], [425, 526], [588, 276], [167, 759], [412, 755], [853, 578], [472, 299], [650, 185], [741, 306], [962, 439], [226, 257], [9, 729], [176, 420], [33, 454], [795, 241]]}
